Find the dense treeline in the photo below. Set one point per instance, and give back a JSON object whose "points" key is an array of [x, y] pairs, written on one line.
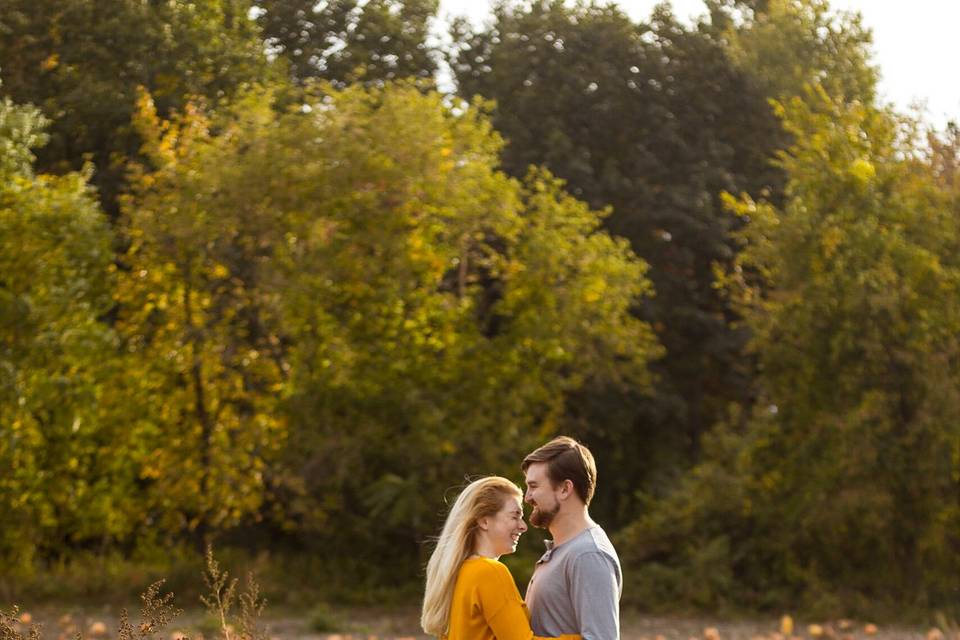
{"points": [[260, 275]]}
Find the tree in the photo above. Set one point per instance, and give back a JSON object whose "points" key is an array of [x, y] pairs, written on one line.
{"points": [[344, 41], [67, 475], [477, 307], [786, 44], [81, 63], [656, 121], [841, 491], [198, 314], [425, 305]]}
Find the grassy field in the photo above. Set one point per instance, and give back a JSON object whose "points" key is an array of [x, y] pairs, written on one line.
{"points": [[365, 623], [237, 610]]}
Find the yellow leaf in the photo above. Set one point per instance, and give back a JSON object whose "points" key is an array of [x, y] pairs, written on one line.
{"points": [[863, 170], [831, 240], [51, 62], [786, 625]]}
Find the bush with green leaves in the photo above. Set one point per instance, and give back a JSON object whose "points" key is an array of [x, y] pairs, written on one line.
{"points": [[342, 309], [837, 491]]}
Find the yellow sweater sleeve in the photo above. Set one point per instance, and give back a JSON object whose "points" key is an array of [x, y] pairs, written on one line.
{"points": [[504, 609]]}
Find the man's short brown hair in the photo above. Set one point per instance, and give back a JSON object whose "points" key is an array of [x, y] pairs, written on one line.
{"points": [[567, 459]]}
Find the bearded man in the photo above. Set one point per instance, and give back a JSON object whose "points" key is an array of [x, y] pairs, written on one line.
{"points": [[577, 583]]}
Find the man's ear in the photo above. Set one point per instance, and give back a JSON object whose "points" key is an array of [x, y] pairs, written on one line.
{"points": [[566, 489]]}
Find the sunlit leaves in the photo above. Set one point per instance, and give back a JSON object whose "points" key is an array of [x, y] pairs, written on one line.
{"points": [[346, 41], [787, 44], [450, 305], [199, 322], [654, 120], [60, 479], [356, 278], [81, 63], [841, 477]]}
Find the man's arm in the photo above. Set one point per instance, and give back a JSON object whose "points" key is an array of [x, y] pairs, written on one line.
{"points": [[596, 596]]}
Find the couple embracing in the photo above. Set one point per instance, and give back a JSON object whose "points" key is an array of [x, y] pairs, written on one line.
{"points": [[576, 585]]}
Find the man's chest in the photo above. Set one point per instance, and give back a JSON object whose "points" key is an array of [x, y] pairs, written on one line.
{"points": [[549, 585]]}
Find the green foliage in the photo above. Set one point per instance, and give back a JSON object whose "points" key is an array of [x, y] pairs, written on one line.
{"points": [[406, 302], [482, 305], [63, 481], [654, 120], [344, 41], [95, 577], [350, 328], [81, 64], [324, 304], [843, 481], [22, 129], [787, 44], [322, 619], [198, 320]]}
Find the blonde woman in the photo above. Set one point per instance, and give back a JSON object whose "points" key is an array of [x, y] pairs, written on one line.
{"points": [[470, 594]]}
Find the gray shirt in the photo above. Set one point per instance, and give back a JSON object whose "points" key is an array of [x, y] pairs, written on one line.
{"points": [[576, 588]]}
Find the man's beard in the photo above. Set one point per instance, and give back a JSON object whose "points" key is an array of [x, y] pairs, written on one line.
{"points": [[542, 519]]}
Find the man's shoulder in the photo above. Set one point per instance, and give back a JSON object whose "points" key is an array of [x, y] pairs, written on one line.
{"points": [[595, 561], [593, 540]]}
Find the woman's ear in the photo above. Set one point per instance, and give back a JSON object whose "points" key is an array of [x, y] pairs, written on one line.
{"points": [[484, 523]]}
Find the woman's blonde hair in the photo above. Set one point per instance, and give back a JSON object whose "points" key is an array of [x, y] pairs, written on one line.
{"points": [[482, 498]]}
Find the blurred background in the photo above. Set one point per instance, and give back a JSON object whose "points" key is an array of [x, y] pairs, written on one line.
{"points": [[281, 275]]}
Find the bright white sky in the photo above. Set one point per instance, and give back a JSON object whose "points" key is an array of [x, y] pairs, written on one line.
{"points": [[913, 42]]}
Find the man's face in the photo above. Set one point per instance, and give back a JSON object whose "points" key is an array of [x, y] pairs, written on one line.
{"points": [[541, 495]]}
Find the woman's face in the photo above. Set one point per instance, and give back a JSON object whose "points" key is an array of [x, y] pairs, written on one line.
{"points": [[503, 530]]}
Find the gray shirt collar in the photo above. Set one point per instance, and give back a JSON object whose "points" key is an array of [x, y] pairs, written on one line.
{"points": [[552, 546]]}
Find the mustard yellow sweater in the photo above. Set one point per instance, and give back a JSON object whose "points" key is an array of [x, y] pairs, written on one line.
{"points": [[487, 605]]}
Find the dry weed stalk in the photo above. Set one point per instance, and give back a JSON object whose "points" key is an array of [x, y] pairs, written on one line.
{"points": [[9, 626], [222, 596], [221, 593], [155, 613], [158, 610], [251, 607]]}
